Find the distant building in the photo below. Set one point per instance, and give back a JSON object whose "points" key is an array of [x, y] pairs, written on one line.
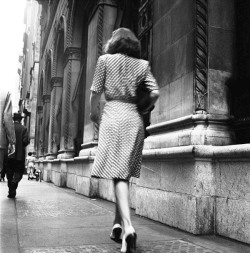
{"points": [[30, 67], [195, 173]]}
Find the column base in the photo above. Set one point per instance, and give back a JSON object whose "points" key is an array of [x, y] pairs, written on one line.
{"points": [[51, 156], [89, 149], [41, 158], [196, 129], [65, 154]]}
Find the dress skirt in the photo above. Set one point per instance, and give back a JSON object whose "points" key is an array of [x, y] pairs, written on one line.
{"points": [[121, 138]]}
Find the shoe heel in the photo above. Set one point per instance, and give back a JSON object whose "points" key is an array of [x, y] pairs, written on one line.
{"points": [[131, 243], [117, 234]]}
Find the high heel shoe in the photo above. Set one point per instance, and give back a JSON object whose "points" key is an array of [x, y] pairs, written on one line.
{"points": [[129, 243], [116, 233]]}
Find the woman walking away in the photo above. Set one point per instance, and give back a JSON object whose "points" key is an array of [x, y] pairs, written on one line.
{"points": [[118, 73]]}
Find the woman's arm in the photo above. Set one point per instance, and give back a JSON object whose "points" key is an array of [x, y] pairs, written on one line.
{"points": [[152, 86], [94, 101], [97, 88], [153, 96]]}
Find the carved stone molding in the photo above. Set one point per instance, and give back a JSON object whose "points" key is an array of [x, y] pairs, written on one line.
{"points": [[53, 9], [40, 109], [201, 56], [72, 53], [46, 98], [56, 82], [145, 22], [92, 8], [67, 106], [99, 36]]}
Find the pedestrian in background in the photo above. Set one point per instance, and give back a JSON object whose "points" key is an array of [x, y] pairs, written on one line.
{"points": [[121, 136], [30, 165], [16, 161], [7, 131]]}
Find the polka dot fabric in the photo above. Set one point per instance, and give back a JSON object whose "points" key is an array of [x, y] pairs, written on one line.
{"points": [[121, 133]]}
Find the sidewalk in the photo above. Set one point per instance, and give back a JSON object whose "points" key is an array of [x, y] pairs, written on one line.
{"points": [[44, 218]]}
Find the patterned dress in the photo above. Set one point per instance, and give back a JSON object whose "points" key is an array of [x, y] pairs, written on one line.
{"points": [[121, 133]]}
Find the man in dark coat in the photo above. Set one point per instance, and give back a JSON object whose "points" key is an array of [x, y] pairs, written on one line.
{"points": [[16, 161], [7, 131]]}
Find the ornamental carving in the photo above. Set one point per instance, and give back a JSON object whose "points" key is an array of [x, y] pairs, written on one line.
{"points": [[56, 82], [100, 31], [145, 17], [39, 109], [72, 53], [46, 98], [67, 106], [145, 24], [201, 56]]}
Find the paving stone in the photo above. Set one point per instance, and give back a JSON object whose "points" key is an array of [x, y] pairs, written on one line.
{"points": [[52, 208], [176, 246], [45, 219]]}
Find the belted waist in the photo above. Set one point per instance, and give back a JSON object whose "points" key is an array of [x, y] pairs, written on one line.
{"points": [[132, 101]]}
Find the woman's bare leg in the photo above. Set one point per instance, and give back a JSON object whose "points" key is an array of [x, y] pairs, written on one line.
{"points": [[122, 202], [118, 218]]}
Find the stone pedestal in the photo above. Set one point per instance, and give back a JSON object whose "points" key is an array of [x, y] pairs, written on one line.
{"points": [[70, 115], [177, 187], [54, 126], [200, 189], [89, 149], [65, 154], [47, 174], [197, 129]]}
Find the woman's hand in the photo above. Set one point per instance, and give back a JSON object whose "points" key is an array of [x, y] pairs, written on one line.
{"points": [[11, 149], [94, 117]]}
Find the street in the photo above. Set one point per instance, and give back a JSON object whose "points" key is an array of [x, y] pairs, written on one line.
{"points": [[45, 218]]}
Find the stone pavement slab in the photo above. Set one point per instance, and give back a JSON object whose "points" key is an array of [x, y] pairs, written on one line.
{"points": [[44, 218]]}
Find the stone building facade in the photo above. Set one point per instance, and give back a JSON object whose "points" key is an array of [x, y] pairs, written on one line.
{"points": [[30, 68], [195, 173]]}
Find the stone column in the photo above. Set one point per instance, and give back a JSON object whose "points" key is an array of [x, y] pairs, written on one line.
{"points": [[45, 124], [54, 125], [100, 30], [69, 122], [38, 131]]}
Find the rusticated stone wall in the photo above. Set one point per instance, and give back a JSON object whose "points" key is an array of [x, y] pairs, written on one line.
{"points": [[200, 189], [173, 48]]}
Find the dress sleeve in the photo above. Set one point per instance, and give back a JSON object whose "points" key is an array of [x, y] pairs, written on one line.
{"points": [[99, 76], [150, 81]]}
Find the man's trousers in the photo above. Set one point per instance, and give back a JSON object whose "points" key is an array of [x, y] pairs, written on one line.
{"points": [[15, 170]]}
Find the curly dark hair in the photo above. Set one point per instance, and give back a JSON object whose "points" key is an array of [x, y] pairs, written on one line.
{"points": [[123, 41]]}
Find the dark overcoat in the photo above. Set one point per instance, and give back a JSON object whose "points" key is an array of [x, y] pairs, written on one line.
{"points": [[22, 140]]}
